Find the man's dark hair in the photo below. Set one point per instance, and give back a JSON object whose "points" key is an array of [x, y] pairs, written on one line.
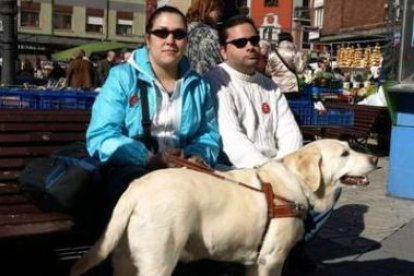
{"points": [[232, 22], [158, 12]]}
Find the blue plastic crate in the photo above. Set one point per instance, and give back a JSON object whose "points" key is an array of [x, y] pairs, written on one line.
{"points": [[17, 98], [302, 110], [52, 99], [333, 117], [306, 115], [317, 91]]}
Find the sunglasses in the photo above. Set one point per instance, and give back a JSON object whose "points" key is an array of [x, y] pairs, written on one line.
{"points": [[164, 33], [242, 42]]}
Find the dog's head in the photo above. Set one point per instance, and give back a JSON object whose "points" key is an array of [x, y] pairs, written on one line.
{"points": [[323, 164]]}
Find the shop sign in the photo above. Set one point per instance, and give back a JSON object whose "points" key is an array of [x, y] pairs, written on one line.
{"points": [[31, 47]]}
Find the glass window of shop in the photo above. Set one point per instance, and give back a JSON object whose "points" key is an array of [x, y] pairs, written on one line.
{"points": [[271, 3], [62, 17], [94, 20], [124, 23], [29, 14]]}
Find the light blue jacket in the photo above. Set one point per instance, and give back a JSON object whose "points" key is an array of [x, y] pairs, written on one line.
{"points": [[116, 114]]}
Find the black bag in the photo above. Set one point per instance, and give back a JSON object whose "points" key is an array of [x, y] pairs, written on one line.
{"points": [[64, 182]]}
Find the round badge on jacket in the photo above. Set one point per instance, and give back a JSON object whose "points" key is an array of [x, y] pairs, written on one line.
{"points": [[265, 108], [133, 100]]}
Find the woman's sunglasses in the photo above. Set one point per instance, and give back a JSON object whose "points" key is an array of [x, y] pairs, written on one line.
{"points": [[242, 42], [164, 33]]}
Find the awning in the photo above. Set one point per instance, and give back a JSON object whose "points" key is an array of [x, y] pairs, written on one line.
{"points": [[90, 48]]}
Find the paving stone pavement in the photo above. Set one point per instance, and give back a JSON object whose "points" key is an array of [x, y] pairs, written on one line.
{"points": [[369, 233]]}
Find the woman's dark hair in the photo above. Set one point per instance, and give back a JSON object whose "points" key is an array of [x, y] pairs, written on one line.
{"points": [[158, 12], [232, 22], [199, 10], [285, 36]]}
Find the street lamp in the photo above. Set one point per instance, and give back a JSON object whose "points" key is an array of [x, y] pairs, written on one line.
{"points": [[8, 12]]}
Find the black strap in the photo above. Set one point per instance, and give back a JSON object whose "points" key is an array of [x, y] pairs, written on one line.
{"points": [[146, 122]]}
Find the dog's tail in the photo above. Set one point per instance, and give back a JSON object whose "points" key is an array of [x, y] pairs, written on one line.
{"points": [[109, 239]]}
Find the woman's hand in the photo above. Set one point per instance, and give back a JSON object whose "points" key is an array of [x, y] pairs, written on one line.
{"points": [[197, 159], [160, 160]]}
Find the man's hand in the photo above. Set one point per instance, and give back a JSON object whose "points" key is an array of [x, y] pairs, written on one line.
{"points": [[160, 160]]}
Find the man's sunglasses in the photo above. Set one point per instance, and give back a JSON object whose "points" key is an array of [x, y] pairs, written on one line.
{"points": [[242, 42], [164, 33]]}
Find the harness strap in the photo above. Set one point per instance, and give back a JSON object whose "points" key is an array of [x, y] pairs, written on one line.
{"points": [[288, 209]]}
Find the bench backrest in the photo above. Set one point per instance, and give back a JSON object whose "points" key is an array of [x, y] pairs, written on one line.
{"points": [[27, 134]]}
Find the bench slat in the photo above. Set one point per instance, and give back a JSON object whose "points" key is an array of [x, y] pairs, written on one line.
{"points": [[8, 175], [13, 199], [30, 218], [42, 127], [47, 227], [27, 151], [7, 189], [42, 137], [19, 209], [9, 163], [44, 116]]}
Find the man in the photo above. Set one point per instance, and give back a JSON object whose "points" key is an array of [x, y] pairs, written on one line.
{"points": [[79, 71], [255, 121], [105, 65]]}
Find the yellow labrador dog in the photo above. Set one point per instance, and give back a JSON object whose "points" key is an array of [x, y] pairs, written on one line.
{"points": [[182, 214]]}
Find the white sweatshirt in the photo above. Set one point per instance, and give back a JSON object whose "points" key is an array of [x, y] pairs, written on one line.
{"points": [[255, 121]]}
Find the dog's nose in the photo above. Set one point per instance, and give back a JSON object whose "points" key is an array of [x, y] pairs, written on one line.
{"points": [[373, 160]]}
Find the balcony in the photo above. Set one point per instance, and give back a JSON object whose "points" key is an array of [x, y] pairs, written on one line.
{"points": [[301, 14]]}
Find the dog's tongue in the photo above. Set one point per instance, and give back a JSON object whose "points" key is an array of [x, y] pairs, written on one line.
{"points": [[354, 180]]}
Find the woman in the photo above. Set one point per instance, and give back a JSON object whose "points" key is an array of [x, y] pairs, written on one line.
{"points": [[203, 48], [183, 121]]}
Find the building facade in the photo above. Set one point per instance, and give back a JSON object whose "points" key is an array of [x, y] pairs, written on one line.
{"points": [[50, 25], [353, 20], [271, 16]]}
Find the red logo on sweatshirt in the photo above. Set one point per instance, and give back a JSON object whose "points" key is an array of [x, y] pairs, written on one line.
{"points": [[133, 100], [265, 108]]}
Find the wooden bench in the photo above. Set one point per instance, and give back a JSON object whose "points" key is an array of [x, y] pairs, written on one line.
{"points": [[27, 134]]}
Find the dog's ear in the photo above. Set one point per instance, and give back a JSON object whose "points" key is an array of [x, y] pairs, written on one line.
{"points": [[306, 164]]}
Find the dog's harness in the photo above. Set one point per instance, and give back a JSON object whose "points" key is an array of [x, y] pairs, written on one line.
{"points": [[287, 209]]}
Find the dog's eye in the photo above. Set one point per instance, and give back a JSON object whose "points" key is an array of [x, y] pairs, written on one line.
{"points": [[345, 154]]}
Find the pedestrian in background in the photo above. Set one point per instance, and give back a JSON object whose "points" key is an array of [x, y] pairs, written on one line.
{"points": [[79, 73], [203, 48], [285, 63], [105, 65]]}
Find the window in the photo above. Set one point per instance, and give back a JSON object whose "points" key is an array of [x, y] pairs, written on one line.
{"points": [[94, 20], [124, 22], [318, 20], [271, 3], [29, 14], [62, 17]]}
